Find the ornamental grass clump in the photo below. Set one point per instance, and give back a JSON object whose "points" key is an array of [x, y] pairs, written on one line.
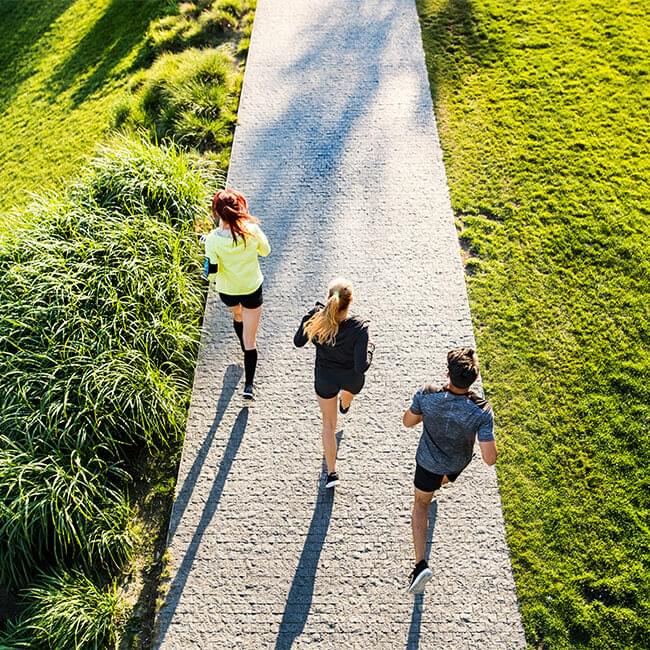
{"points": [[198, 24], [101, 304], [190, 98], [130, 176], [67, 610], [59, 507]]}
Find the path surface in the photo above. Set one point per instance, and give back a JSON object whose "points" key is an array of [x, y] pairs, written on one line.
{"points": [[337, 150]]}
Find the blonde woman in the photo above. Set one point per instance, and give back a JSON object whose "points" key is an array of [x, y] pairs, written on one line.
{"points": [[342, 359], [232, 251]]}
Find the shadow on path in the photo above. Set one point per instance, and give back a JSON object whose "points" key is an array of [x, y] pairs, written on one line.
{"points": [[301, 593], [230, 378], [211, 506], [312, 135], [413, 638]]}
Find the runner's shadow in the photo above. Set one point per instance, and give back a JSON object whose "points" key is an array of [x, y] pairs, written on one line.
{"points": [[211, 505], [301, 592], [230, 379], [413, 639]]}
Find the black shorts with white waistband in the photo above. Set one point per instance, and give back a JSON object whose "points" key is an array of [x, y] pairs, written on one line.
{"points": [[329, 381], [249, 301]]}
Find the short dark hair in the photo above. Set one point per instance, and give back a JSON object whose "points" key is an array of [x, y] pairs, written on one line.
{"points": [[463, 367]]}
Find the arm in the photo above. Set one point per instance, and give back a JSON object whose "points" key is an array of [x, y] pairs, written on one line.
{"points": [[263, 246], [410, 419], [489, 452], [413, 414], [300, 338], [486, 441], [361, 352], [212, 258]]}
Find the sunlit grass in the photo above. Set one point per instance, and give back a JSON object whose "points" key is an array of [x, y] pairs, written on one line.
{"points": [[64, 64], [544, 118], [101, 298]]}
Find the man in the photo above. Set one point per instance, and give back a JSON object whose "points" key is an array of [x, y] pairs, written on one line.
{"points": [[452, 417]]}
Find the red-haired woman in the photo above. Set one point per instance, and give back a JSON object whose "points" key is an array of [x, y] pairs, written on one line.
{"points": [[342, 358], [232, 249]]}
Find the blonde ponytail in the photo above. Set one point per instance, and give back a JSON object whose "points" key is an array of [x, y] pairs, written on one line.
{"points": [[323, 326]]}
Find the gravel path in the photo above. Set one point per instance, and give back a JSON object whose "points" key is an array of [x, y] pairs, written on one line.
{"points": [[338, 153]]}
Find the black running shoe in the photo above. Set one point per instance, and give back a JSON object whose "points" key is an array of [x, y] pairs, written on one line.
{"points": [[331, 480], [419, 577], [249, 392], [341, 409]]}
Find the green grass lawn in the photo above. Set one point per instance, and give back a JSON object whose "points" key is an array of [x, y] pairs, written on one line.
{"points": [[544, 114], [64, 63]]}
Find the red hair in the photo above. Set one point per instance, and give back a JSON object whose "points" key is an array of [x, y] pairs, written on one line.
{"points": [[231, 207]]}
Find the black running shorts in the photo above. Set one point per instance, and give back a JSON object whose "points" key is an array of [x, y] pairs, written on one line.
{"points": [[429, 482], [250, 301], [328, 382]]}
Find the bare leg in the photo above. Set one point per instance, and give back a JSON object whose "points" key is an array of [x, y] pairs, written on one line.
{"points": [[328, 411], [236, 313], [251, 318], [420, 522], [346, 399]]}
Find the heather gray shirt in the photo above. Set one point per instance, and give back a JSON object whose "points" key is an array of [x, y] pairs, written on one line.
{"points": [[450, 425]]}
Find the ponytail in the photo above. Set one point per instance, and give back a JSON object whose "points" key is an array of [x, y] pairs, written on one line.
{"points": [[323, 326]]}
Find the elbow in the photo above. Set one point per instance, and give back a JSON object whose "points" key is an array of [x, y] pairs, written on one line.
{"points": [[489, 453], [491, 459]]}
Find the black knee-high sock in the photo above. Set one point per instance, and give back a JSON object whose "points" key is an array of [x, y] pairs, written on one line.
{"points": [[250, 363], [238, 326]]}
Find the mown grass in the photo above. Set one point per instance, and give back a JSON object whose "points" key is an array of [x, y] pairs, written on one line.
{"points": [[64, 64], [544, 115]]}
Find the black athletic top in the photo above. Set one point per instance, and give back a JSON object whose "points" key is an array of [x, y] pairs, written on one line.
{"points": [[351, 347]]}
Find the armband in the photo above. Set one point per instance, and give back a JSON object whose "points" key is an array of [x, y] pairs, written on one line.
{"points": [[208, 268]]}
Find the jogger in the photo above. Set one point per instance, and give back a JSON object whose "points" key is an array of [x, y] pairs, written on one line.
{"points": [[342, 359], [452, 417], [233, 248]]}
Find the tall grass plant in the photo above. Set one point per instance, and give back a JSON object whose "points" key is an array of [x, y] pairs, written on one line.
{"points": [[102, 305], [190, 98]]}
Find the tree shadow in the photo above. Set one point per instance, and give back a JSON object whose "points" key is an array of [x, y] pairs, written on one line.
{"points": [[454, 41], [312, 133], [413, 637], [22, 25], [112, 38], [211, 505]]}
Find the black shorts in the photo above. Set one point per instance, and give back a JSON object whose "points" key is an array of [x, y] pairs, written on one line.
{"points": [[428, 482], [250, 301], [328, 382]]}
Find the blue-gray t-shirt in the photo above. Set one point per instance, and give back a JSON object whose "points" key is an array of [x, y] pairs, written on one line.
{"points": [[450, 424]]}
